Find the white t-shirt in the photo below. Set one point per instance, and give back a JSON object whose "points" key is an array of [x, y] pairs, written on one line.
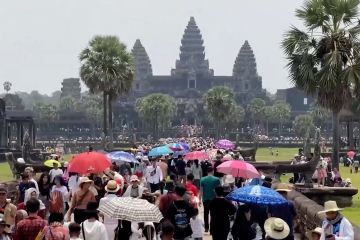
{"points": [[63, 190], [154, 175], [55, 172], [94, 230]]}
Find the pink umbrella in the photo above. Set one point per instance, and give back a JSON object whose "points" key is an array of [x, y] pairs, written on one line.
{"points": [[225, 144], [238, 168], [351, 154], [199, 155]]}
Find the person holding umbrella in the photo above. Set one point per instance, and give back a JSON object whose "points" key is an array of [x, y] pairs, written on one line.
{"points": [[111, 189], [285, 212]]}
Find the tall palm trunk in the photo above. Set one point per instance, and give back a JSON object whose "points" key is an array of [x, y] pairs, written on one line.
{"points": [[105, 119], [335, 154], [111, 131]]}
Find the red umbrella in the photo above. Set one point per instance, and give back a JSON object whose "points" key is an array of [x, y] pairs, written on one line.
{"points": [[351, 154], [238, 168], [89, 162], [199, 155]]}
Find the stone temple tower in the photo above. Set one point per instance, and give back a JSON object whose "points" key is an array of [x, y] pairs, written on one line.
{"points": [[143, 68], [245, 70], [192, 55]]}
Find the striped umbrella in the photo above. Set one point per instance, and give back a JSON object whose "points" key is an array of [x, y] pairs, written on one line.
{"points": [[131, 209]]}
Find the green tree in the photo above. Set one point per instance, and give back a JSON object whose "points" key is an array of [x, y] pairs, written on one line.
{"points": [[13, 102], [324, 58], [220, 105], [256, 109], [281, 113], [157, 110], [319, 114], [303, 124], [107, 68], [269, 117], [7, 86], [47, 112], [67, 104], [236, 117]]}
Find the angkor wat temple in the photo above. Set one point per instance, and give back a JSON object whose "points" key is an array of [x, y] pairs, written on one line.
{"points": [[192, 76]]}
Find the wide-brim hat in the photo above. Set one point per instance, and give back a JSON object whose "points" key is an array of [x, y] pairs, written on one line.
{"points": [[317, 230], [134, 178], [112, 187], [283, 187], [330, 206], [276, 228], [83, 180]]}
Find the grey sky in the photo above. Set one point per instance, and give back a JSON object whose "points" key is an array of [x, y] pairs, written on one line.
{"points": [[40, 39]]}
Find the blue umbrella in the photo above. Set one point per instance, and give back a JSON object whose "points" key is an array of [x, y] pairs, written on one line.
{"points": [[257, 195], [120, 156], [160, 151], [185, 145], [256, 181]]}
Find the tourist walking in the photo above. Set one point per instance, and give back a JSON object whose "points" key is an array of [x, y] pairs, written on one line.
{"points": [[24, 185], [197, 172], [44, 188], [3, 234], [32, 193], [207, 193], [59, 195], [286, 212], [335, 226], [276, 229], [111, 189], [197, 226], [7, 210], [221, 210], [180, 169], [30, 227], [134, 190], [30, 172], [167, 200], [92, 228], [56, 230], [80, 200], [180, 212], [242, 228], [56, 171], [74, 231], [154, 176]]}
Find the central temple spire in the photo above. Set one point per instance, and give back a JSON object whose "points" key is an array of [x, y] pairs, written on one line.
{"points": [[192, 52]]}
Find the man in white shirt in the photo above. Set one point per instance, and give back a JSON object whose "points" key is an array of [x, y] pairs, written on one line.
{"points": [[56, 171], [154, 175]]}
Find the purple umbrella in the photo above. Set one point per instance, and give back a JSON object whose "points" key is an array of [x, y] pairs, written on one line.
{"points": [[225, 144]]}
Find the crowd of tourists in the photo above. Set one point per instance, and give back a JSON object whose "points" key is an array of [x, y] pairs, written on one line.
{"points": [[191, 196]]}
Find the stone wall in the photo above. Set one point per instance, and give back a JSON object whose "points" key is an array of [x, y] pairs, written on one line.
{"points": [[307, 214]]}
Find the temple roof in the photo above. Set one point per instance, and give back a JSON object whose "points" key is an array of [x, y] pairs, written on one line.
{"points": [[245, 62], [192, 51], [141, 58]]}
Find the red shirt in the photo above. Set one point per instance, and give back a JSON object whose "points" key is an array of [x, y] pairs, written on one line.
{"points": [[166, 201], [29, 228], [192, 188]]}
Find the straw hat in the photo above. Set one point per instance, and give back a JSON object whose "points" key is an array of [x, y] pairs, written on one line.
{"points": [[276, 228], [283, 187], [83, 180], [330, 206], [112, 186], [317, 230], [134, 178]]}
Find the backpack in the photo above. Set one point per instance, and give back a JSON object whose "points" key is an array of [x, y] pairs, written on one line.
{"points": [[181, 218], [56, 202]]}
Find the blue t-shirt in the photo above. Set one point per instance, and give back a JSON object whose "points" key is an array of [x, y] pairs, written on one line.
{"points": [[208, 185]]}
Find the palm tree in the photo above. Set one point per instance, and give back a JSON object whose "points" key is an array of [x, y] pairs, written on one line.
{"points": [[256, 108], [323, 60], [7, 86], [282, 113], [220, 103], [158, 110], [107, 68]]}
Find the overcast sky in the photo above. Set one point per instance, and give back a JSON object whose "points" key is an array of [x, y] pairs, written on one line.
{"points": [[40, 40]]}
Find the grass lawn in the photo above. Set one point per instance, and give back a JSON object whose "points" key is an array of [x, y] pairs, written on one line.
{"points": [[263, 154]]}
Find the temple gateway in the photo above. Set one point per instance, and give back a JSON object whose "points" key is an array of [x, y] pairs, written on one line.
{"points": [[192, 77]]}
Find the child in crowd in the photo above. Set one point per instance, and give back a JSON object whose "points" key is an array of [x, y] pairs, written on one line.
{"points": [[197, 226]]}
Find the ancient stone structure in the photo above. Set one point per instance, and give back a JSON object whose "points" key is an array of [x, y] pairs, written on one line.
{"points": [[71, 88], [192, 76]]}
